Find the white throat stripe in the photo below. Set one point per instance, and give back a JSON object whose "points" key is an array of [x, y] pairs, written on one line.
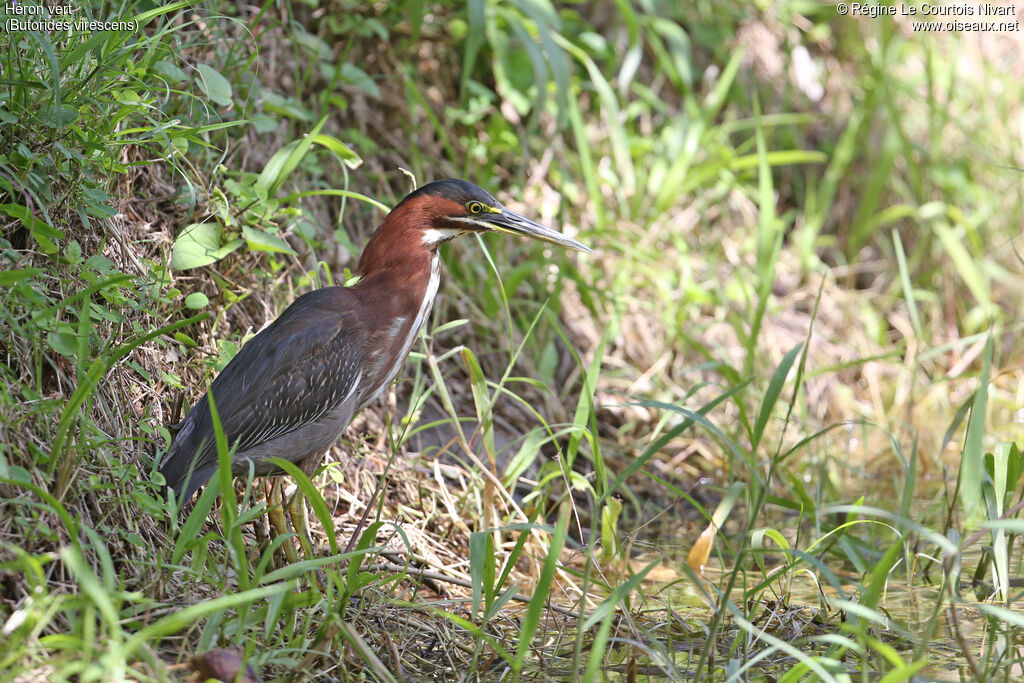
{"points": [[434, 236]]}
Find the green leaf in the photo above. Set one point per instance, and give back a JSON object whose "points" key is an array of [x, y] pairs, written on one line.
{"points": [[263, 123], [286, 106], [972, 458], [966, 263], [57, 115], [621, 592], [264, 241], [170, 71], [474, 41], [214, 85], [284, 161], [185, 339], [350, 158], [11, 277], [610, 546], [481, 398], [542, 590], [99, 367], [64, 343], [1002, 614], [775, 386], [188, 617], [481, 566], [1015, 464], [196, 300], [312, 494], [365, 540], [190, 533], [604, 614], [39, 229], [73, 253], [199, 245], [99, 595], [352, 74], [101, 264], [527, 454], [98, 202], [160, 10]]}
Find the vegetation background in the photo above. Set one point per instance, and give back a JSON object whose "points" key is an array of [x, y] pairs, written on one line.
{"points": [[800, 332]]}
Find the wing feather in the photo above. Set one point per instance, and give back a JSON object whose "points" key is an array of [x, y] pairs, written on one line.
{"points": [[290, 374]]}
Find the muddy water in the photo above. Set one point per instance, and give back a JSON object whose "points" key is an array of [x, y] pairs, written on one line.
{"points": [[957, 646]]}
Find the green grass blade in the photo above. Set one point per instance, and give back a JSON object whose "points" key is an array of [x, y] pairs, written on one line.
{"points": [[771, 396], [972, 459], [542, 592], [314, 497]]}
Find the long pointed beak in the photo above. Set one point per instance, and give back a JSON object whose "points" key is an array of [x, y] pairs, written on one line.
{"points": [[513, 224]]}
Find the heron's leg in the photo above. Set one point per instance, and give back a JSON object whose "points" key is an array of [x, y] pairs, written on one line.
{"points": [[297, 507], [261, 527], [300, 522], [275, 513]]}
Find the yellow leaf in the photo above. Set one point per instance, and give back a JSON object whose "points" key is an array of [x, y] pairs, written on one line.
{"points": [[701, 550]]}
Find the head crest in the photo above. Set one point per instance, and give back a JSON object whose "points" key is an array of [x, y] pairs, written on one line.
{"points": [[456, 190]]}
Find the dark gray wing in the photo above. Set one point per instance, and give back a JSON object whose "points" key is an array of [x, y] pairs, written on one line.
{"points": [[290, 374]]}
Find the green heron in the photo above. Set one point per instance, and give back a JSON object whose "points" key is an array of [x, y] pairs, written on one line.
{"points": [[293, 388]]}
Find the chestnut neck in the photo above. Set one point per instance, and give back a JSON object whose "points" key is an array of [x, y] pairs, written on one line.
{"points": [[398, 242]]}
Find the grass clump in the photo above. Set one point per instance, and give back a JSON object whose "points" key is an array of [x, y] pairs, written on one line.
{"points": [[769, 430]]}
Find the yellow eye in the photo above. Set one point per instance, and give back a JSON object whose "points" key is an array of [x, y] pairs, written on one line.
{"points": [[474, 207]]}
